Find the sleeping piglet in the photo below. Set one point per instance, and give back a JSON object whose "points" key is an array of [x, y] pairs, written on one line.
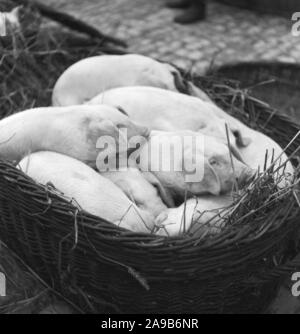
{"points": [[170, 111], [91, 76], [73, 131], [148, 196], [255, 154], [197, 214], [92, 192], [185, 161]]}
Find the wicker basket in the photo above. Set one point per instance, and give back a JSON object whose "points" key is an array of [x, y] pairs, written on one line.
{"points": [[103, 268], [279, 7], [273, 82]]}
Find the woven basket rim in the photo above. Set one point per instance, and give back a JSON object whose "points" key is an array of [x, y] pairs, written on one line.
{"points": [[282, 65], [145, 240]]}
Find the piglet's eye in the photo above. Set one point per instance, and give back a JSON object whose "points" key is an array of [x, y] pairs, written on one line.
{"points": [[213, 162]]}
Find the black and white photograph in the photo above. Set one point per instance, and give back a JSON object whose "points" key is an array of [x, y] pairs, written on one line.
{"points": [[149, 159]]}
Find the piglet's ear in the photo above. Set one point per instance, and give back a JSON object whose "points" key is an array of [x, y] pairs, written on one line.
{"points": [[180, 83], [241, 141], [114, 129], [133, 129], [103, 128], [118, 138], [122, 110], [197, 92], [211, 180], [236, 153]]}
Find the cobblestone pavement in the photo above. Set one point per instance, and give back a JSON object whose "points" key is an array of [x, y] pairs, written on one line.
{"points": [[228, 35]]}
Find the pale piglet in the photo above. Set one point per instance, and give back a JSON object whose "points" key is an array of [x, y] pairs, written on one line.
{"points": [[205, 214], [92, 76], [170, 111], [264, 152], [73, 131], [89, 190], [192, 163], [148, 196]]}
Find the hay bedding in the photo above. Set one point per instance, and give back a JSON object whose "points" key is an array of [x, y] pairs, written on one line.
{"points": [[268, 81], [30, 65]]}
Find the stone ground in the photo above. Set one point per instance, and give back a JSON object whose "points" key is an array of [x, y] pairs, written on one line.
{"points": [[228, 35]]}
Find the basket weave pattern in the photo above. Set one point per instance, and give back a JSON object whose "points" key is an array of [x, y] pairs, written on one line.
{"points": [[135, 273]]}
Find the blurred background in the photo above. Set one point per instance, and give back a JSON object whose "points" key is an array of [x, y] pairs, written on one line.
{"points": [[227, 34]]}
